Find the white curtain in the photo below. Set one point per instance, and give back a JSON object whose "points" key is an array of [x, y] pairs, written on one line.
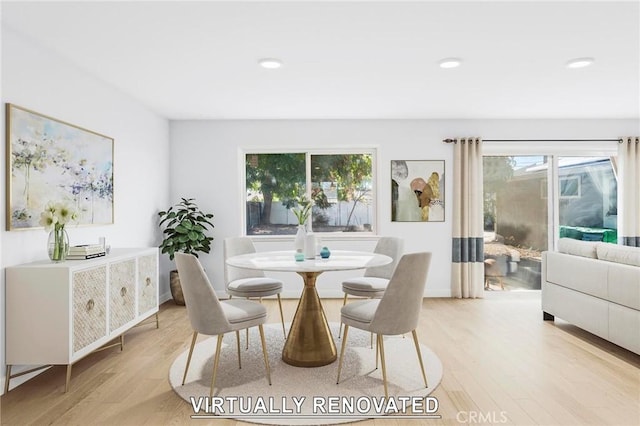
{"points": [[467, 275], [629, 191]]}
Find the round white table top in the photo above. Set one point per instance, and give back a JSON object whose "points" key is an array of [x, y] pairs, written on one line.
{"points": [[339, 260]]}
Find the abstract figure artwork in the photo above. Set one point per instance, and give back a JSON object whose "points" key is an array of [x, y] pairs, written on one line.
{"points": [[417, 191], [48, 159]]}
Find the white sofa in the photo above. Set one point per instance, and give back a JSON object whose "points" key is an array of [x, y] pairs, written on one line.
{"points": [[595, 286]]}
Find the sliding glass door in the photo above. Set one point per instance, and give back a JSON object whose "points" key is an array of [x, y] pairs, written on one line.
{"points": [[516, 221], [524, 215]]}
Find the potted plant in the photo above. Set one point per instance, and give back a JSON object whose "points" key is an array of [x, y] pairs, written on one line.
{"points": [[185, 231]]}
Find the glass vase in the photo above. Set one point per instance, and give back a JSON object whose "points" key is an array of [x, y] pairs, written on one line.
{"points": [[300, 237], [58, 245]]}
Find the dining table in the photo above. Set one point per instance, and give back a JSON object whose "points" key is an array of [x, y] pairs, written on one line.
{"points": [[309, 342]]}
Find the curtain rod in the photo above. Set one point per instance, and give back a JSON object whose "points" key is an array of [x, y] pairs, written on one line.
{"points": [[542, 140]]}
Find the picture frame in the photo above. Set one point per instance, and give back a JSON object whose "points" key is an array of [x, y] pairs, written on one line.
{"points": [[417, 190], [52, 161]]}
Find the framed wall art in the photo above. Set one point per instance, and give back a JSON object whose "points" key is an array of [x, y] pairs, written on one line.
{"points": [[417, 191], [49, 160]]}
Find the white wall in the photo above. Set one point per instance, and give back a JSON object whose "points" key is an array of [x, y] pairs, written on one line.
{"points": [[40, 80], [206, 164]]}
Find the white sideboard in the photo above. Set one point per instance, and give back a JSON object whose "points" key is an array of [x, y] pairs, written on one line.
{"points": [[57, 313]]}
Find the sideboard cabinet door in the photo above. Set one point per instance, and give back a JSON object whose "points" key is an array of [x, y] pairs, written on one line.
{"points": [[122, 296], [89, 306], [147, 284]]}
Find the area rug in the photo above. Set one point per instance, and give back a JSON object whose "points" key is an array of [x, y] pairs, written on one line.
{"points": [[307, 396]]}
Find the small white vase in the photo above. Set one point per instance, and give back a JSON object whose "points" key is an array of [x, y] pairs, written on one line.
{"points": [[310, 246], [300, 238]]}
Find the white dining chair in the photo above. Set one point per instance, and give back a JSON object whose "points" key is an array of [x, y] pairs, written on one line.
{"points": [[397, 312], [213, 317], [249, 283], [375, 280]]}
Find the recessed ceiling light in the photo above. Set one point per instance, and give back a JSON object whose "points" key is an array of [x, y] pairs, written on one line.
{"points": [[270, 63], [450, 62], [580, 62]]}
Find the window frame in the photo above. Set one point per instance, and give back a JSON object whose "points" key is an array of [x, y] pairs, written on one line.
{"points": [[308, 152]]}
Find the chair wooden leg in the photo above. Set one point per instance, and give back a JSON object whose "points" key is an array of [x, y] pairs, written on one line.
{"points": [[186, 368], [216, 361], [344, 345], [415, 340], [247, 348], [281, 316], [238, 345], [384, 367], [264, 352], [344, 302], [377, 353], [371, 341]]}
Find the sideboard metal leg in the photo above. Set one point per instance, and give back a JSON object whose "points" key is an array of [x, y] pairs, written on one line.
{"points": [[7, 378], [66, 385], [547, 317]]}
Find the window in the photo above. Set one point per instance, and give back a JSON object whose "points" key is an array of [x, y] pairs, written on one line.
{"points": [[570, 187], [339, 184]]}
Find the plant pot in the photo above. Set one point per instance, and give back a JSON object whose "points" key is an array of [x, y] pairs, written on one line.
{"points": [[176, 288]]}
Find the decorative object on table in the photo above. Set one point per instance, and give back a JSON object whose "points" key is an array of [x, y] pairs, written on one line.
{"points": [[299, 256], [86, 251], [54, 218], [310, 246], [63, 161], [325, 253], [301, 234], [417, 191], [302, 211], [185, 231]]}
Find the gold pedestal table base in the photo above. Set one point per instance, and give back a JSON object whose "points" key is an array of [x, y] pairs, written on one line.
{"points": [[309, 343]]}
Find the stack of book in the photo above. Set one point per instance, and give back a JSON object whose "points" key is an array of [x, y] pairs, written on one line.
{"points": [[87, 251]]}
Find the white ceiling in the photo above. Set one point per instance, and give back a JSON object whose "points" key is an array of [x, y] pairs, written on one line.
{"points": [[195, 60]]}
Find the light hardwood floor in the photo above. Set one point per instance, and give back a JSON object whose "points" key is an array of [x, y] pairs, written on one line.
{"points": [[502, 365]]}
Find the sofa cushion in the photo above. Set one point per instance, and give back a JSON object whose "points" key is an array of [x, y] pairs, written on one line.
{"points": [[588, 276], [624, 285], [619, 254], [578, 247]]}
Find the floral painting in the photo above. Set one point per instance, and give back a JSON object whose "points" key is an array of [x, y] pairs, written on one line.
{"points": [[48, 159], [417, 191]]}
